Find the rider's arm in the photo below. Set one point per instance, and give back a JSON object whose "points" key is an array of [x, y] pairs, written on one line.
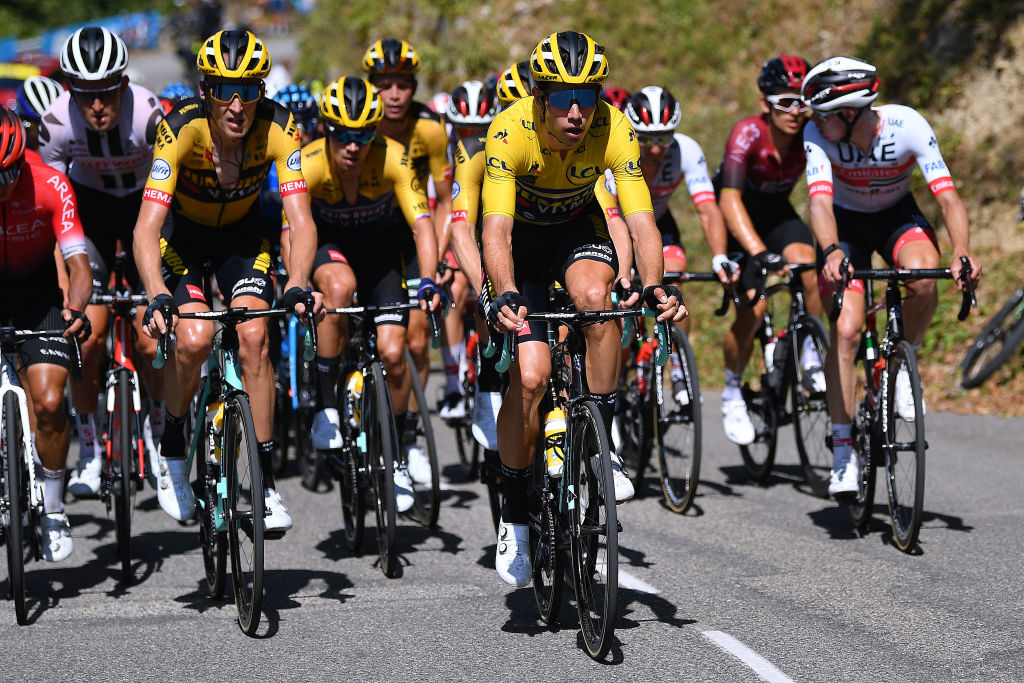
{"points": [[734, 179], [469, 176], [823, 219], [283, 147], [79, 282], [604, 190], [736, 217], [497, 242], [412, 200], [146, 247], [499, 204]]}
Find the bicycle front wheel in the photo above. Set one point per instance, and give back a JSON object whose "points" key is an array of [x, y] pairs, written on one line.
{"points": [[546, 554], [245, 510], [903, 444], [122, 445], [997, 341], [677, 432], [593, 528], [15, 488], [812, 425], [378, 424], [427, 495]]}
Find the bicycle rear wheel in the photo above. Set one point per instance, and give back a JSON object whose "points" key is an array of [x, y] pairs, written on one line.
{"points": [[282, 427], [122, 443], [547, 557], [245, 509], [593, 528], [353, 500], [998, 340], [812, 425], [904, 449], [677, 431], [635, 420], [759, 456], [426, 497], [15, 489], [378, 424], [311, 460]]}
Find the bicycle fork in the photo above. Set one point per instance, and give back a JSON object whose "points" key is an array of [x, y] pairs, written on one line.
{"points": [[35, 488]]}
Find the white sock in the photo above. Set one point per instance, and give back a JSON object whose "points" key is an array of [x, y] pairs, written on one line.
{"points": [[87, 434], [842, 444], [53, 490], [732, 391], [452, 357], [156, 419]]}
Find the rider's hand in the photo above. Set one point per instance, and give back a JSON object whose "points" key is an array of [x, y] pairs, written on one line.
{"points": [[725, 268], [667, 299], [956, 266], [429, 295], [770, 261], [77, 323], [628, 293], [511, 307], [161, 316], [830, 271], [445, 273]]}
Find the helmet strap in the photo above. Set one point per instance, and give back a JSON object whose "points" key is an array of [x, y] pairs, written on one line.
{"points": [[851, 123]]}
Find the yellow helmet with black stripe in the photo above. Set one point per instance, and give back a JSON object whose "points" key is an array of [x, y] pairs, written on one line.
{"points": [[233, 54], [515, 84], [391, 56], [569, 57], [351, 102]]}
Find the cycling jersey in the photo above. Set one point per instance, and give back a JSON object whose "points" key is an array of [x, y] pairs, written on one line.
{"points": [[749, 164], [387, 179], [40, 212], [529, 182], [115, 161], [878, 180], [183, 175], [469, 179], [426, 141], [684, 159]]}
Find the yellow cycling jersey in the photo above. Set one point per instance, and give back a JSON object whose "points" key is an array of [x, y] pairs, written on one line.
{"points": [[387, 177], [469, 179], [183, 175], [528, 182], [427, 143]]}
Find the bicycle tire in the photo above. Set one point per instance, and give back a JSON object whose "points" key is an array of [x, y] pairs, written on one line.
{"points": [[353, 501], [999, 339], [311, 460], [636, 426], [381, 447], [245, 509], [593, 528], [546, 555], [759, 456], [213, 543], [812, 425], [678, 429], [489, 469], [468, 449], [866, 446], [121, 436], [426, 497], [282, 425], [15, 489], [904, 448]]}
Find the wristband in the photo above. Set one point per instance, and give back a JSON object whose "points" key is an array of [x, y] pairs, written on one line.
{"points": [[829, 249]]}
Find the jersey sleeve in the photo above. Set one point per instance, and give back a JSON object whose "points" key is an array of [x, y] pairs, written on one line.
{"points": [[695, 170], [622, 157], [468, 181], [499, 187], [52, 133], [925, 146], [819, 167], [67, 226], [737, 149], [436, 139], [283, 148], [410, 194], [607, 195]]}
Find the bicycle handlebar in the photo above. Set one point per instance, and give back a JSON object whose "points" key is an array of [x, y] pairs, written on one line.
{"points": [[11, 335]]}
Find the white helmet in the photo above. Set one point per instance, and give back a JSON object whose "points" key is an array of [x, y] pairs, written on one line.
{"points": [[36, 95], [93, 53], [653, 110], [840, 83], [472, 104]]}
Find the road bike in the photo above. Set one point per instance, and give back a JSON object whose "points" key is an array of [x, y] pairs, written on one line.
{"points": [[1002, 336]]}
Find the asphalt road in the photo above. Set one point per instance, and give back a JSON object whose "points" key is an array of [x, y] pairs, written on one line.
{"points": [[759, 581]]}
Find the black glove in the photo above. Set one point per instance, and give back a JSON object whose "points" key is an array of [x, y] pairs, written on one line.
{"points": [[514, 300], [86, 330], [295, 296], [624, 293], [163, 303], [771, 262], [652, 301]]}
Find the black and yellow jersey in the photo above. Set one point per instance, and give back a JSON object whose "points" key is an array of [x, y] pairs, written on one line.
{"points": [[426, 141], [469, 179], [529, 182], [183, 175], [387, 179]]}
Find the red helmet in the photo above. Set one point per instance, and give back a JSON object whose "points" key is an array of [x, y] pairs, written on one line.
{"points": [[785, 72], [12, 144], [617, 97]]}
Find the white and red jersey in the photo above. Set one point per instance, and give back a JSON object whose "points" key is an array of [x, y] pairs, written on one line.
{"points": [[684, 159], [40, 212], [877, 180], [115, 161]]}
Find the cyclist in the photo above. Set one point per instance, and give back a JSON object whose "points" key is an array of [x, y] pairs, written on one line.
{"points": [[667, 159], [617, 97], [471, 108], [391, 66], [357, 178], [173, 92], [542, 222], [101, 133], [38, 211], [212, 156], [763, 161], [859, 162], [34, 97]]}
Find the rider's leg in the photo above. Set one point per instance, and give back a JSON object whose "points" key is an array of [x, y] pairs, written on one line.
{"points": [[922, 298], [453, 351], [337, 281], [841, 383]]}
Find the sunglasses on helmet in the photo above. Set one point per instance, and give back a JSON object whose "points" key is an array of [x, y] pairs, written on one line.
{"points": [[225, 91], [104, 95], [347, 136], [563, 99], [787, 103], [10, 175]]}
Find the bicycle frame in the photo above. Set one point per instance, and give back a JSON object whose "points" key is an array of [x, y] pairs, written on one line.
{"points": [[9, 384]]}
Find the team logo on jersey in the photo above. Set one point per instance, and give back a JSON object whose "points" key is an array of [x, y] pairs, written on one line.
{"points": [[294, 162], [501, 135], [456, 189], [581, 175], [161, 170]]}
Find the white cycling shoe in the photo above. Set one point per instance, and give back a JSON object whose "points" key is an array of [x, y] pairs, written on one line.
{"points": [[403, 490], [905, 397], [327, 430], [173, 490], [85, 480], [623, 486], [512, 555], [736, 422], [277, 520], [845, 479], [418, 464], [57, 543]]}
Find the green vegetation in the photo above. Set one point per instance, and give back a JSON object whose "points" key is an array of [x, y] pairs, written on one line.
{"points": [[27, 18]]}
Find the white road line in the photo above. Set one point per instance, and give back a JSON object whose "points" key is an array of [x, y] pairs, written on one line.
{"points": [[626, 580], [764, 669]]}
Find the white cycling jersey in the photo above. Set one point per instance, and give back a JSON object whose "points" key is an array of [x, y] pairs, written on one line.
{"points": [[877, 180], [684, 159], [115, 161]]}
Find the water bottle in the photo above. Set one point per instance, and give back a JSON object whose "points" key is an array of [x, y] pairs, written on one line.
{"points": [[215, 419], [554, 442], [353, 396]]}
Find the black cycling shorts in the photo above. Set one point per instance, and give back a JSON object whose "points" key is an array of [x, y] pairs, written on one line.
{"points": [[41, 311], [778, 225], [105, 220], [884, 231], [379, 280]]}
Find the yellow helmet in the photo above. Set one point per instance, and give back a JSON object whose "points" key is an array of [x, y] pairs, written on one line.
{"points": [[233, 54], [351, 102], [569, 57], [516, 83], [391, 56]]}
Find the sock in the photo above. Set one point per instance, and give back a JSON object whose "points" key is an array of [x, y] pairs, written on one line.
{"points": [[53, 490], [677, 368], [489, 379], [732, 391], [266, 449], [452, 357], [842, 444], [327, 372], [156, 418], [606, 406], [410, 425], [514, 510], [172, 443], [87, 434]]}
